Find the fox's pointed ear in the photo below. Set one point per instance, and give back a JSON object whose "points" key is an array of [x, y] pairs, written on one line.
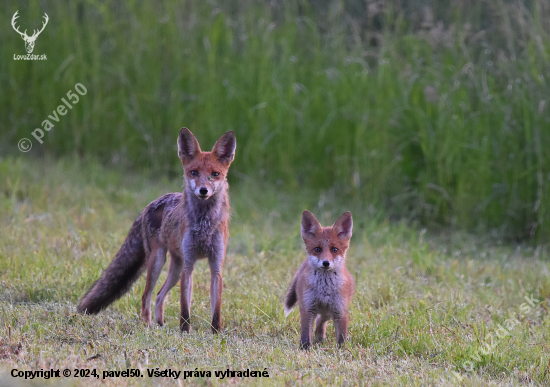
{"points": [[224, 148], [188, 146], [343, 226], [310, 225]]}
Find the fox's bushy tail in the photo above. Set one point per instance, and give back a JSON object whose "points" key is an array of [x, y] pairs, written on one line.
{"points": [[291, 297], [121, 273]]}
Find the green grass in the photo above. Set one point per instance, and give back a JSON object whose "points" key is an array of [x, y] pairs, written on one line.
{"points": [[436, 110], [425, 303]]}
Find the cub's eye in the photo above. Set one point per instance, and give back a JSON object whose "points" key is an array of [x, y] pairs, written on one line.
{"points": [[194, 173], [334, 250], [317, 249], [215, 174]]}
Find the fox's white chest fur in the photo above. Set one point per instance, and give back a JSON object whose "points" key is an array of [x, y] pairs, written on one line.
{"points": [[323, 294], [203, 237]]}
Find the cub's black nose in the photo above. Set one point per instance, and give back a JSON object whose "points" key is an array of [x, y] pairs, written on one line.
{"points": [[203, 191], [326, 263]]}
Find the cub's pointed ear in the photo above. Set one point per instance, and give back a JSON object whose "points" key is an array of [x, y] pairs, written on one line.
{"points": [[310, 225], [224, 148], [343, 226], [188, 146]]}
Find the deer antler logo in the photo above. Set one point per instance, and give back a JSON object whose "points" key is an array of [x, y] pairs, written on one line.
{"points": [[29, 40]]}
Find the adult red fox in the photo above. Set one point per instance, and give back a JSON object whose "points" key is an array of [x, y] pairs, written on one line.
{"points": [[190, 225]]}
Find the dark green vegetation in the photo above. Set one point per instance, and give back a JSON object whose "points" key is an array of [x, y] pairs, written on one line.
{"points": [[433, 110], [424, 306]]}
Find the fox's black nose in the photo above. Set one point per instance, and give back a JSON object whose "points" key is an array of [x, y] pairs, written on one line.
{"points": [[326, 263], [203, 191]]}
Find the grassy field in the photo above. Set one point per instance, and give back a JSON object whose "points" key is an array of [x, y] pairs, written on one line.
{"points": [[436, 110], [426, 305]]}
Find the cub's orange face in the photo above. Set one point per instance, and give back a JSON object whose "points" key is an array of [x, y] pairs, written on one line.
{"points": [[205, 172], [326, 246]]}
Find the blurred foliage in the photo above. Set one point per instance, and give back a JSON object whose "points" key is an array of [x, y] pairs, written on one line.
{"points": [[434, 110]]}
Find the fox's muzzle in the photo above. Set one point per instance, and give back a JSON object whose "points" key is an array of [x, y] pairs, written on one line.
{"points": [[203, 193]]}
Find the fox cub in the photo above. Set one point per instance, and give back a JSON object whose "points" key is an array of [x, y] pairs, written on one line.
{"points": [[322, 286], [190, 225]]}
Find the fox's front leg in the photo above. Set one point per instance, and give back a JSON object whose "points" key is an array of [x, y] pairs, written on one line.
{"points": [[215, 262], [306, 328], [216, 286], [186, 285], [341, 327]]}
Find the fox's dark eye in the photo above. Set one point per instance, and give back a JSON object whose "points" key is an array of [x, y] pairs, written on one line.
{"points": [[334, 250], [194, 173], [317, 249], [215, 174]]}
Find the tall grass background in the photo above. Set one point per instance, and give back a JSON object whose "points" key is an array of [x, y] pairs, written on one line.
{"points": [[432, 110]]}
